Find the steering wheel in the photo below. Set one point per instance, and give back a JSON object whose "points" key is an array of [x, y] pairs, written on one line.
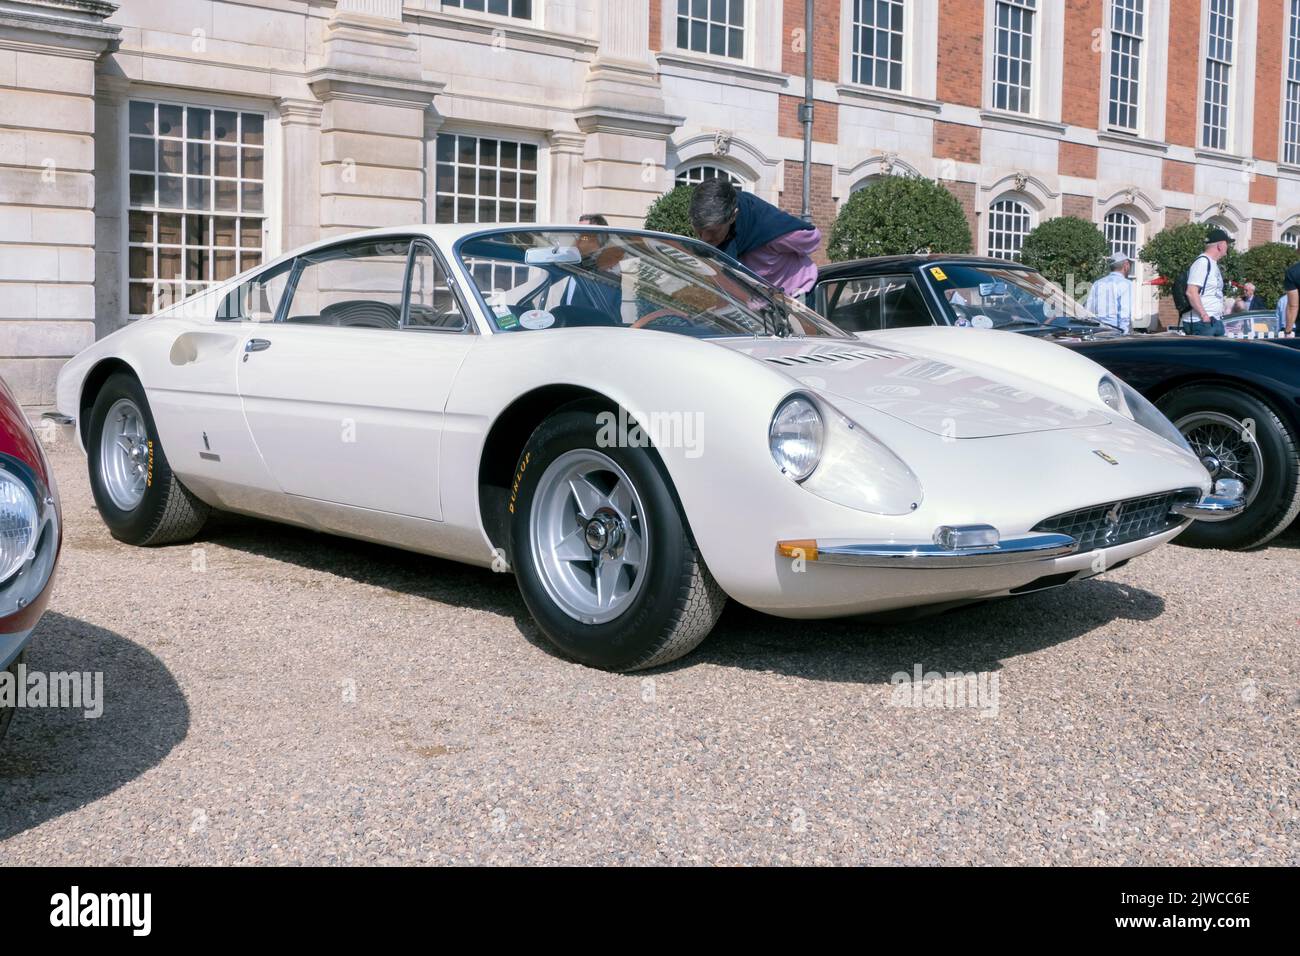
{"points": [[649, 317]]}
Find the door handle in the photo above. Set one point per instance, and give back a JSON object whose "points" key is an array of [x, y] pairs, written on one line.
{"points": [[257, 345]]}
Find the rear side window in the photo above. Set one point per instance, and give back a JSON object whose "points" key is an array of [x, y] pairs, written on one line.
{"points": [[258, 298], [876, 303]]}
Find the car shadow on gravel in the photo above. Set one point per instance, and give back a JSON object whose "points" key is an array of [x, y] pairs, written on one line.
{"points": [[377, 565], [55, 759], [862, 649], [871, 649]]}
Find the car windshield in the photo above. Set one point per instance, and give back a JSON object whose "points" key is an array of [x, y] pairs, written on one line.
{"points": [[1005, 298], [537, 279]]}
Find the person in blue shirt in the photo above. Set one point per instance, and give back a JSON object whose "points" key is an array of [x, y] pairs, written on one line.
{"points": [[1111, 297]]}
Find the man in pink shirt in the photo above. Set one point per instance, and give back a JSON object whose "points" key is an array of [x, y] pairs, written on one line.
{"points": [[768, 241]]}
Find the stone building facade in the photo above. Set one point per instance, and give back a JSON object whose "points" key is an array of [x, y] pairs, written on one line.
{"points": [[151, 147]]}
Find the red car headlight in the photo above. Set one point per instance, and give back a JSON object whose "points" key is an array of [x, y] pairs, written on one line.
{"points": [[29, 535]]}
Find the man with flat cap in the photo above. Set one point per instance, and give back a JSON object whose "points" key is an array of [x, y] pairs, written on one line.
{"points": [[1111, 297], [1205, 288]]}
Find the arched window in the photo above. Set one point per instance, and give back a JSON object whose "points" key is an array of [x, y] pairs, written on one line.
{"points": [[1217, 222], [1292, 237], [694, 175], [1009, 223], [1121, 231]]}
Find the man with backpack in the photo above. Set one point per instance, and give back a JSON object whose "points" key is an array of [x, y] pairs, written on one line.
{"points": [[1198, 293]]}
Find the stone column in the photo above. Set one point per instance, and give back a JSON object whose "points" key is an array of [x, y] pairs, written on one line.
{"points": [[566, 177], [624, 117], [372, 128], [111, 309], [48, 50], [300, 149]]}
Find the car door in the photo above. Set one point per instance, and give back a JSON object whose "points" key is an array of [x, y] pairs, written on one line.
{"points": [[344, 394], [194, 393]]}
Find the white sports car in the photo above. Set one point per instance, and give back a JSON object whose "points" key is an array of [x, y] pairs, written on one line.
{"points": [[634, 425]]}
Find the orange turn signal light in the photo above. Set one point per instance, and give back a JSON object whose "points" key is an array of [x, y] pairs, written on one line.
{"points": [[805, 548]]}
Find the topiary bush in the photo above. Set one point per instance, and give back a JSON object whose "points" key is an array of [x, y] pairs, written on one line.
{"points": [[1265, 266], [671, 212], [898, 215], [1068, 250], [1173, 250]]}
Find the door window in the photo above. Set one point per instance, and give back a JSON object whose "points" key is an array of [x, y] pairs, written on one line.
{"points": [[357, 285], [432, 304]]}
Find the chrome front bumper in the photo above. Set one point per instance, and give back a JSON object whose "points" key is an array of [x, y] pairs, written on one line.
{"points": [[1031, 547], [978, 546], [1211, 508]]}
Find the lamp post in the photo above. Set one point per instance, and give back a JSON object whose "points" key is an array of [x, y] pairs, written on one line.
{"points": [[806, 109]]}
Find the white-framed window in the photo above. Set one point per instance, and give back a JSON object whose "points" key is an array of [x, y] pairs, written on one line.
{"points": [[516, 9], [1013, 59], [697, 173], [1292, 237], [196, 202], [1009, 222], [878, 43], [1218, 75], [1126, 32], [1121, 231], [1291, 127], [485, 179], [715, 27]]}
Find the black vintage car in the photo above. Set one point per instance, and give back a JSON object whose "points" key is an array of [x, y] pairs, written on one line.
{"points": [[1237, 402]]}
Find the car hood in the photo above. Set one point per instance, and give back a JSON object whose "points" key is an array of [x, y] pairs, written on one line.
{"points": [[921, 390]]}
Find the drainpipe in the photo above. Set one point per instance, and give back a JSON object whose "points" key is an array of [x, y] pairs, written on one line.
{"points": [[806, 109]]}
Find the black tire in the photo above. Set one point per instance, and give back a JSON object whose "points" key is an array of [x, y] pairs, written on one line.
{"points": [[679, 602], [168, 512], [1276, 501], [7, 713]]}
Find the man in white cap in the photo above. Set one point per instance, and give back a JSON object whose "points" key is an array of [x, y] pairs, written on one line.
{"points": [[1111, 297]]}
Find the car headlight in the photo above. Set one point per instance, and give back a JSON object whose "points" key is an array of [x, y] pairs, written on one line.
{"points": [[1151, 418], [1128, 401], [18, 523], [795, 437], [1108, 390], [851, 466]]}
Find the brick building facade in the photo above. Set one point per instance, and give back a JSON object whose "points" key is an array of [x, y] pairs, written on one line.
{"points": [[151, 147]]}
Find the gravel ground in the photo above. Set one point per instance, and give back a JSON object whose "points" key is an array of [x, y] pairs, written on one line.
{"points": [[276, 696]]}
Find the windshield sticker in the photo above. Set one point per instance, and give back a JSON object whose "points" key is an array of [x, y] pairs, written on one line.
{"points": [[507, 321], [537, 319], [939, 274], [982, 322], [986, 288]]}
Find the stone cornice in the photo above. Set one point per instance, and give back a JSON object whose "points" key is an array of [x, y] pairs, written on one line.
{"points": [[329, 83], [295, 111], [1021, 123], [607, 119], [74, 28], [563, 141], [677, 63], [468, 23]]}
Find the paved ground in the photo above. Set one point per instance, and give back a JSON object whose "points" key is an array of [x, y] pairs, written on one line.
{"points": [[275, 696]]}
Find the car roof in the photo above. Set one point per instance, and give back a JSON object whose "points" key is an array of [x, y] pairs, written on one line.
{"points": [[879, 265]]}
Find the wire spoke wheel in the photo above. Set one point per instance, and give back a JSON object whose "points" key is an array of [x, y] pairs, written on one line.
{"points": [[589, 537], [1226, 447], [124, 454]]}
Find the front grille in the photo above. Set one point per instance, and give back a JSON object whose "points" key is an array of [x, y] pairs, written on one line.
{"points": [[1118, 522]]}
